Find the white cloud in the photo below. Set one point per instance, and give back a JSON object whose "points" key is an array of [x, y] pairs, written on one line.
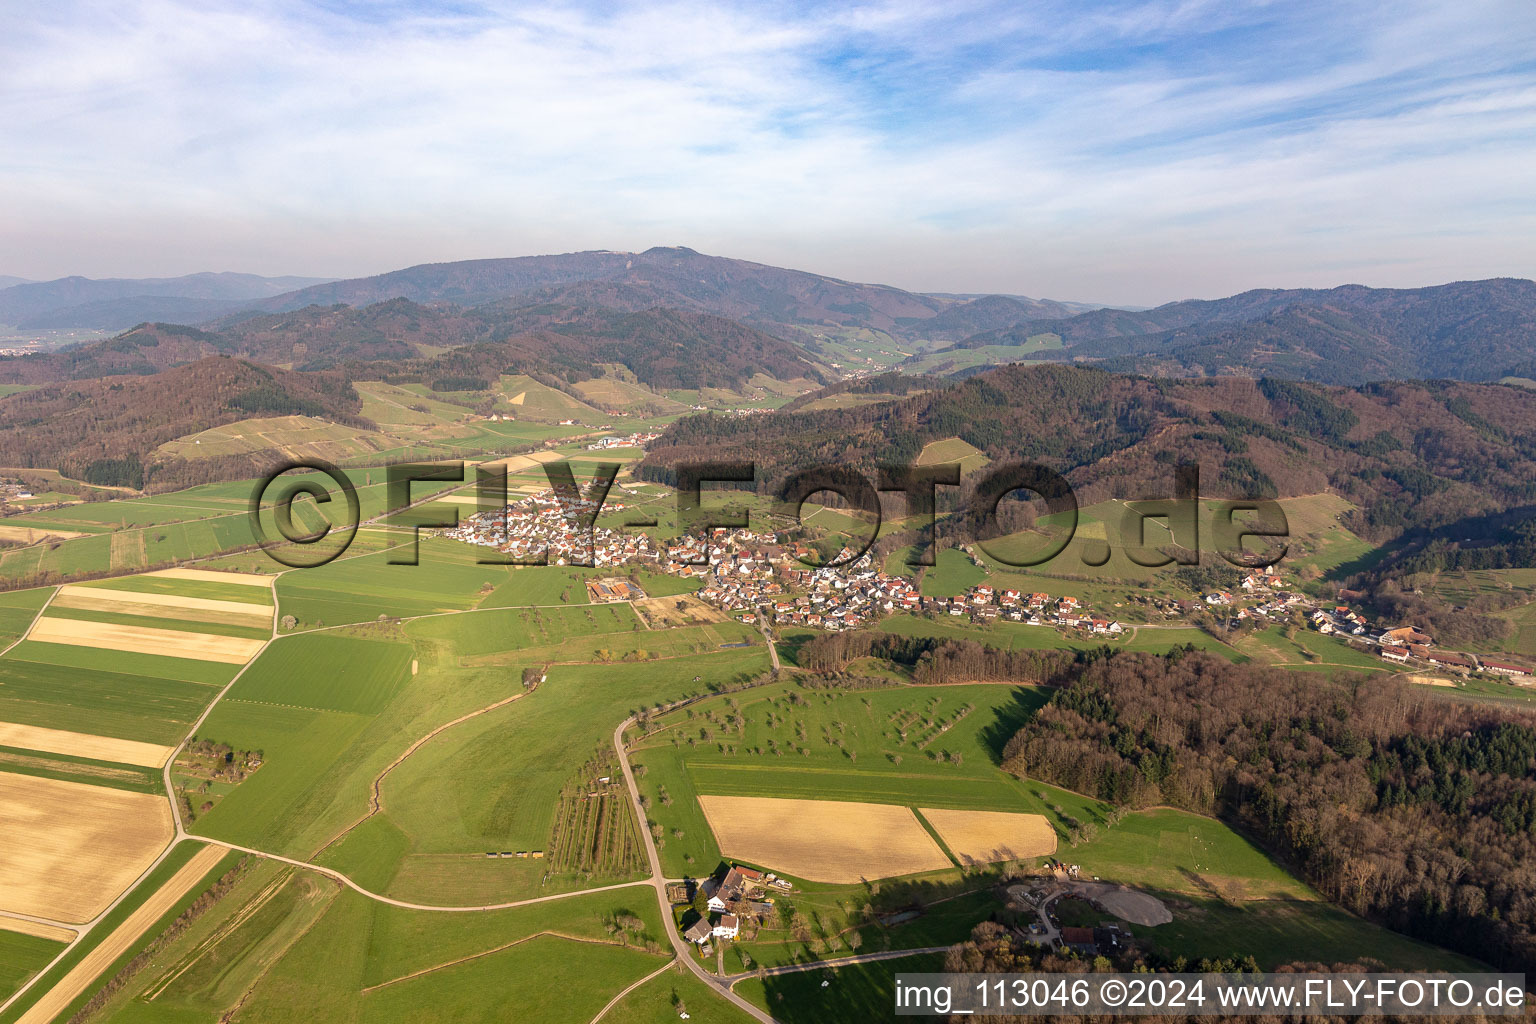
{"points": [[1135, 151]]}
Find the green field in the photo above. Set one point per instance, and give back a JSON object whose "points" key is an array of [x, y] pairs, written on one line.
{"points": [[328, 672], [837, 745], [864, 992], [22, 956], [213, 591], [142, 697], [133, 534], [1282, 931], [1309, 650], [369, 587], [17, 610], [493, 782], [282, 936]]}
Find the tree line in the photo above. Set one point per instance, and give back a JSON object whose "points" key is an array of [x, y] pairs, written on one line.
{"points": [[1419, 814]]}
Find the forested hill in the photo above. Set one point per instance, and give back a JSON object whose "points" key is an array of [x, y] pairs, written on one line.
{"points": [[1468, 330], [667, 276], [1415, 812], [664, 348], [1410, 454], [100, 430]]}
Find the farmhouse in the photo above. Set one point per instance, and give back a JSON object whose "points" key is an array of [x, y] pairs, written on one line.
{"points": [[1506, 669], [727, 927], [1392, 652], [699, 932]]}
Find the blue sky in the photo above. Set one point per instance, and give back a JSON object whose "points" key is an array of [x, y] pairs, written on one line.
{"points": [[1132, 152]]}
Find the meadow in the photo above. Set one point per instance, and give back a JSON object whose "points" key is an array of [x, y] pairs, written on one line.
{"points": [[22, 956], [913, 746], [1309, 650], [282, 932], [494, 782], [17, 610], [140, 697]]}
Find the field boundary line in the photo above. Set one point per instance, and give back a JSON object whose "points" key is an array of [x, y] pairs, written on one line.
{"points": [[632, 986], [406, 904], [376, 796], [499, 949], [842, 961], [31, 625]]}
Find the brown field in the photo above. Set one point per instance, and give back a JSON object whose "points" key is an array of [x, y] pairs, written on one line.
{"points": [[84, 974], [460, 499], [247, 579], [130, 602], [79, 744], [822, 840], [31, 535], [663, 612], [41, 931], [71, 848], [230, 650], [518, 463], [983, 837]]}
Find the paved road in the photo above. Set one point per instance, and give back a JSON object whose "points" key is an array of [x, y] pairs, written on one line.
{"points": [[658, 881]]}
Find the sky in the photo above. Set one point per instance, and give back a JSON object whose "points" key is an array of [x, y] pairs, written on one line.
{"points": [[1131, 152]]}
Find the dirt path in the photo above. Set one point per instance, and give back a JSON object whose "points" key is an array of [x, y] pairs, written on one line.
{"points": [[632, 986], [504, 946], [376, 796]]}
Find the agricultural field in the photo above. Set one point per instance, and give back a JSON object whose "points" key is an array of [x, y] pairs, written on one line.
{"points": [[22, 955], [952, 450], [903, 745], [471, 790], [17, 610], [986, 837], [1310, 651], [526, 399], [133, 534], [280, 931], [858, 992], [822, 840], [170, 888], [75, 846], [148, 698]]}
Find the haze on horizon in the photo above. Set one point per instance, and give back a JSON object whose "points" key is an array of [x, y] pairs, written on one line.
{"points": [[1131, 152]]}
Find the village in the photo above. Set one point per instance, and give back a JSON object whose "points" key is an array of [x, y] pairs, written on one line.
{"points": [[765, 577]]}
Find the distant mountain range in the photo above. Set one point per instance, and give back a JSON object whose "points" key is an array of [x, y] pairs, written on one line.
{"points": [[79, 302], [662, 348], [1469, 330], [678, 319]]}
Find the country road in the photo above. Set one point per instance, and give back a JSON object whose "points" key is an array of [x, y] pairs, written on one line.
{"points": [[658, 881]]}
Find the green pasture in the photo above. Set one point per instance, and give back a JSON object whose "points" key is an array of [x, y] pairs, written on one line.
{"points": [[21, 957], [492, 782], [148, 707], [179, 625], [17, 610], [206, 590], [327, 672]]}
